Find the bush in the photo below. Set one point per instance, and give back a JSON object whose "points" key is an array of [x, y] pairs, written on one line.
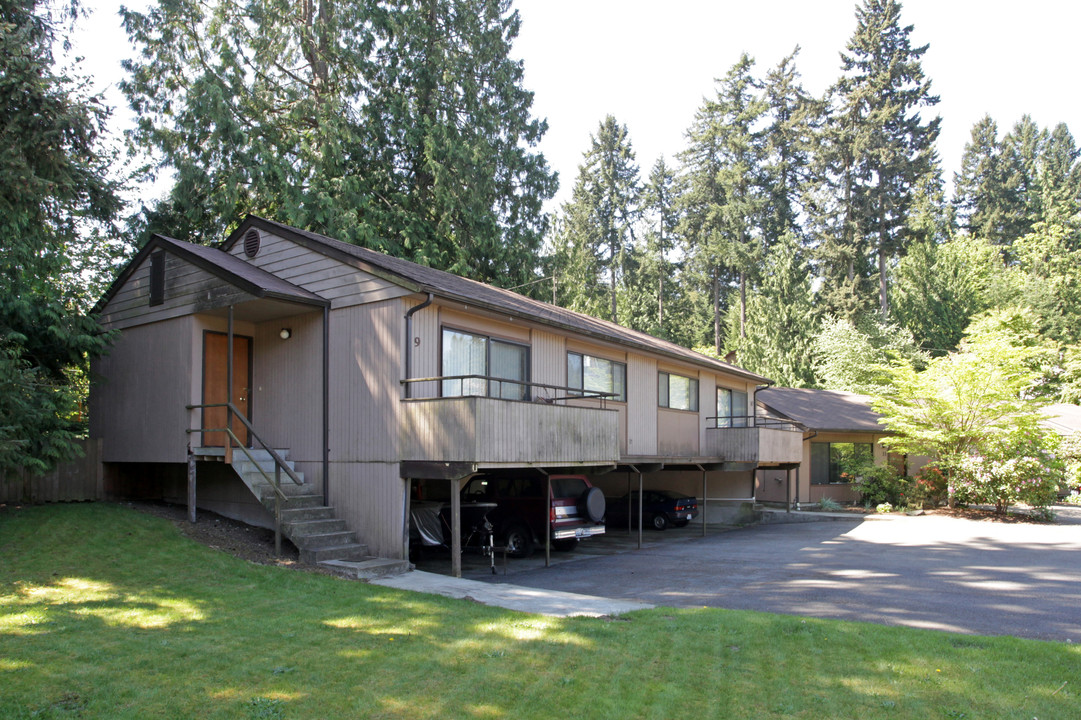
{"points": [[878, 484], [1022, 468], [929, 487]]}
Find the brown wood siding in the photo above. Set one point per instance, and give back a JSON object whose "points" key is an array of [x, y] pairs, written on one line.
{"points": [[426, 353], [144, 383], [78, 480], [489, 430], [641, 405], [188, 289], [342, 284], [549, 358], [288, 387], [365, 370], [449, 317], [677, 434], [370, 497]]}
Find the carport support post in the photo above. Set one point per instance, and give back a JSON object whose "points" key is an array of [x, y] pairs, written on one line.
{"points": [[641, 497], [191, 485], [787, 490], [704, 501], [455, 528], [547, 523]]}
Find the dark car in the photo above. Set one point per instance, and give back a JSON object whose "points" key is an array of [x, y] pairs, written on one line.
{"points": [[522, 518], [660, 508]]}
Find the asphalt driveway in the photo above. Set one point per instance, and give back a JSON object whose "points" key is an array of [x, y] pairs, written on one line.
{"points": [[928, 572]]}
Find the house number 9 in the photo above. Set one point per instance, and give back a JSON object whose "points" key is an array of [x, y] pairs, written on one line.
{"points": [[416, 342]]}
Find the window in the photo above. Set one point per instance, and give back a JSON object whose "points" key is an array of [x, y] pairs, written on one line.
{"points": [[731, 408], [585, 372], [470, 354], [838, 462], [677, 392]]}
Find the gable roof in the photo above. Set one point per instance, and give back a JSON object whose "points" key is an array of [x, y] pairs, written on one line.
{"points": [[822, 410], [232, 270], [418, 278]]}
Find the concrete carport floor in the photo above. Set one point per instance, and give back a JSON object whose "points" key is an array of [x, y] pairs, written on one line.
{"points": [[930, 571]]}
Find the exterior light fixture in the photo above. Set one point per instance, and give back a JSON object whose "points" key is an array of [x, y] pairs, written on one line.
{"points": [[286, 333]]}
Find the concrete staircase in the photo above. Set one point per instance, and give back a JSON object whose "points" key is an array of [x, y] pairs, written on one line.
{"points": [[309, 524]]}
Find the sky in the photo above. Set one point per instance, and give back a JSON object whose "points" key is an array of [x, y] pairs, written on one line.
{"points": [[651, 63]]}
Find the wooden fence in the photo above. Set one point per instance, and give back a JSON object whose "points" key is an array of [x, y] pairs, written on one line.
{"points": [[80, 479]]}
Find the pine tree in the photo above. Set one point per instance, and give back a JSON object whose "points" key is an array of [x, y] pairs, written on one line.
{"points": [[889, 145], [983, 196], [654, 279], [399, 126], [782, 321], [54, 190], [598, 229], [724, 201]]}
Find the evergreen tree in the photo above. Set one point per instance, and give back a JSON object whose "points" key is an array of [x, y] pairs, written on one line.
{"points": [[724, 201], [889, 146], [653, 280], [599, 219], [984, 197], [54, 189], [788, 140], [399, 126], [781, 320]]}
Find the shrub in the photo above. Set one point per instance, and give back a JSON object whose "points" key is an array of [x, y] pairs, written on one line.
{"points": [[829, 504], [879, 484], [1022, 468], [929, 487]]}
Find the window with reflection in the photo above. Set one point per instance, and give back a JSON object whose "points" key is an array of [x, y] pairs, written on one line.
{"points": [[677, 391], [500, 368], [585, 372], [732, 408]]}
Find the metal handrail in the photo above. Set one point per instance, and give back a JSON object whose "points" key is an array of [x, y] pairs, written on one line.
{"points": [[570, 393], [731, 422], [279, 462]]}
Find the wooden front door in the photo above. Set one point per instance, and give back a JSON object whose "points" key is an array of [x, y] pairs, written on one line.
{"points": [[215, 386]]}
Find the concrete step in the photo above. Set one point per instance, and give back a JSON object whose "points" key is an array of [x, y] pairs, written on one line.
{"points": [[367, 568], [346, 551], [292, 502], [264, 490], [292, 514], [316, 541], [244, 465], [299, 529]]}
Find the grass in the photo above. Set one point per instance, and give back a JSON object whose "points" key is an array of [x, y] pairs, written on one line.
{"points": [[108, 613]]}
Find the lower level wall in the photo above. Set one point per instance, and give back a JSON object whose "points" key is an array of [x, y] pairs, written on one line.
{"points": [[371, 498], [720, 486], [217, 488]]}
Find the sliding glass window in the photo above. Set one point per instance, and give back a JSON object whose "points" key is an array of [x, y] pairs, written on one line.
{"points": [[585, 372], [677, 392], [506, 363]]}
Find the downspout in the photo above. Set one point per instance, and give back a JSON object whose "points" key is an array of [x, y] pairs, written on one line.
{"points": [[806, 438], [409, 342], [326, 405]]}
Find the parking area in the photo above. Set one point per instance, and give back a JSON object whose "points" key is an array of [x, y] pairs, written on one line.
{"points": [[930, 572]]}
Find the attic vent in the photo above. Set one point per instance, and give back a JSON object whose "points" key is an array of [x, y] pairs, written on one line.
{"points": [[251, 243]]}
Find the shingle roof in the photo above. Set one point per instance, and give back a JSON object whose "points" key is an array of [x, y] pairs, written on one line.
{"points": [[233, 270], [823, 410], [444, 284]]}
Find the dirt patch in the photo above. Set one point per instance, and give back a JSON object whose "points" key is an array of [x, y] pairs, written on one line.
{"points": [[247, 542]]}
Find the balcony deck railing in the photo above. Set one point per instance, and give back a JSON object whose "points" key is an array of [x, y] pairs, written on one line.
{"points": [[452, 386], [745, 421]]}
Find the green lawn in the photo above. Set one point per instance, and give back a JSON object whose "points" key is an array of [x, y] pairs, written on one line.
{"points": [[108, 613]]}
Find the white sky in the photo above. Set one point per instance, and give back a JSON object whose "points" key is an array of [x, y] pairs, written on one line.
{"points": [[650, 63]]}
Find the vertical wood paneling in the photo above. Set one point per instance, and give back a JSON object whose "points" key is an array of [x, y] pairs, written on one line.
{"points": [[287, 403], [137, 404], [549, 358], [641, 405], [366, 360], [370, 497], [426, 353], [707, 405], [75, 481]]}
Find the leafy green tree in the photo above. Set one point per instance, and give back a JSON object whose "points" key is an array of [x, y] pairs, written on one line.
{"points": [[400, 126], [888, 145], [938, 289], [857, 356], [1047, 275], [599, 219], [781, 320], [968, 406], [54, 191]]}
